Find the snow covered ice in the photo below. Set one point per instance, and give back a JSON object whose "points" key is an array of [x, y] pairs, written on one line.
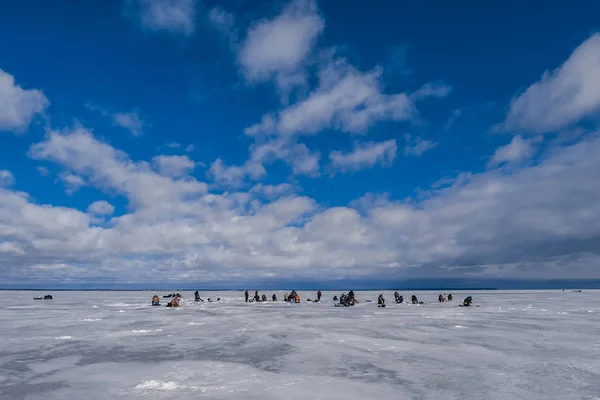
{"points": [[112, 345]]}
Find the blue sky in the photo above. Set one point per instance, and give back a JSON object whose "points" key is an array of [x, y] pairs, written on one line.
{"points": [[223, 142]]}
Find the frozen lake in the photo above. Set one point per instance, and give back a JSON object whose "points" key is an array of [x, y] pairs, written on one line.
{"points": [[112, 345]]}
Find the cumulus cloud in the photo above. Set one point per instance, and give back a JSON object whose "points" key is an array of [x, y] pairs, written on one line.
{"points": [[6, 178], [297, 156], [535, 215], [417, 146], [43, 171], [101, 208], [277, 47], [562, 97], [222, 21], [433, 89], [71, 181], [173, 166], [18, 106], [130, 121], [234, 175], [517, 150], [272, 191], [105, 167], [175, 16], [364, 155], [346, 99]]}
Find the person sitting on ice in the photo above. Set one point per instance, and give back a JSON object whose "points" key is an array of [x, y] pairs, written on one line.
{"points": [[286, 297], [450, 297], [174, 302], [197, 296], [335, 298], [274, 297], [468, 302], [344, 300], [296, 298], [256, 296], [441, 298], [381, 301], [400, 299], [414, 299], [155, 300], [396, 295], [264, 297]]}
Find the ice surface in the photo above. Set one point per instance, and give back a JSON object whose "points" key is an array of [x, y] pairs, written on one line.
{"points": [[114, 345]]}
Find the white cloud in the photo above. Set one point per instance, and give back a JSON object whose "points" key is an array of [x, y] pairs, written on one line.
{"points": [[189, 148], [175, 16], [277, 48], [517, 150], [365, 155], [101, 208], [130, 121], [235, 175], [346, 99], [18, 106], [562, 97], [272, 191], [173, 145], [71, 181], [417, 146], [297, 156], [43, 171], [6, 178], [126, 120], [107, 168], [173, 166], [541, 220], [433, 89], [222, 21]]}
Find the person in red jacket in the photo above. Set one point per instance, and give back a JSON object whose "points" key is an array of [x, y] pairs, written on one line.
{"points": [[319, 295]]}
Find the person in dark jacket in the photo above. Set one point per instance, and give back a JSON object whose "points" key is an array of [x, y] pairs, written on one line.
{"points": [[381, 301], [274, 297], [246, 295], [468, 302], [256, 296], [414, 299], [264, 297], [450, 297], [319, 295]]}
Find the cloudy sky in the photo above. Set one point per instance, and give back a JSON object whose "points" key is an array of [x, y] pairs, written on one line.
{"points": [[221, 142]]}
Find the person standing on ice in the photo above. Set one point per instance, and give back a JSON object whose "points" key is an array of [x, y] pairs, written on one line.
{"points": [[274, 297], [256, 296], [319, 295], [246, 294]]}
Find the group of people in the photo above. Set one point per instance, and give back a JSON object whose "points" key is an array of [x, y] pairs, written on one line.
{"points": [[345, 299], [442, 298], [292, 297], [173, 303]]}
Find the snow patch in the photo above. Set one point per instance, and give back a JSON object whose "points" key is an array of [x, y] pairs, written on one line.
{"points": [[157, 385]]}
